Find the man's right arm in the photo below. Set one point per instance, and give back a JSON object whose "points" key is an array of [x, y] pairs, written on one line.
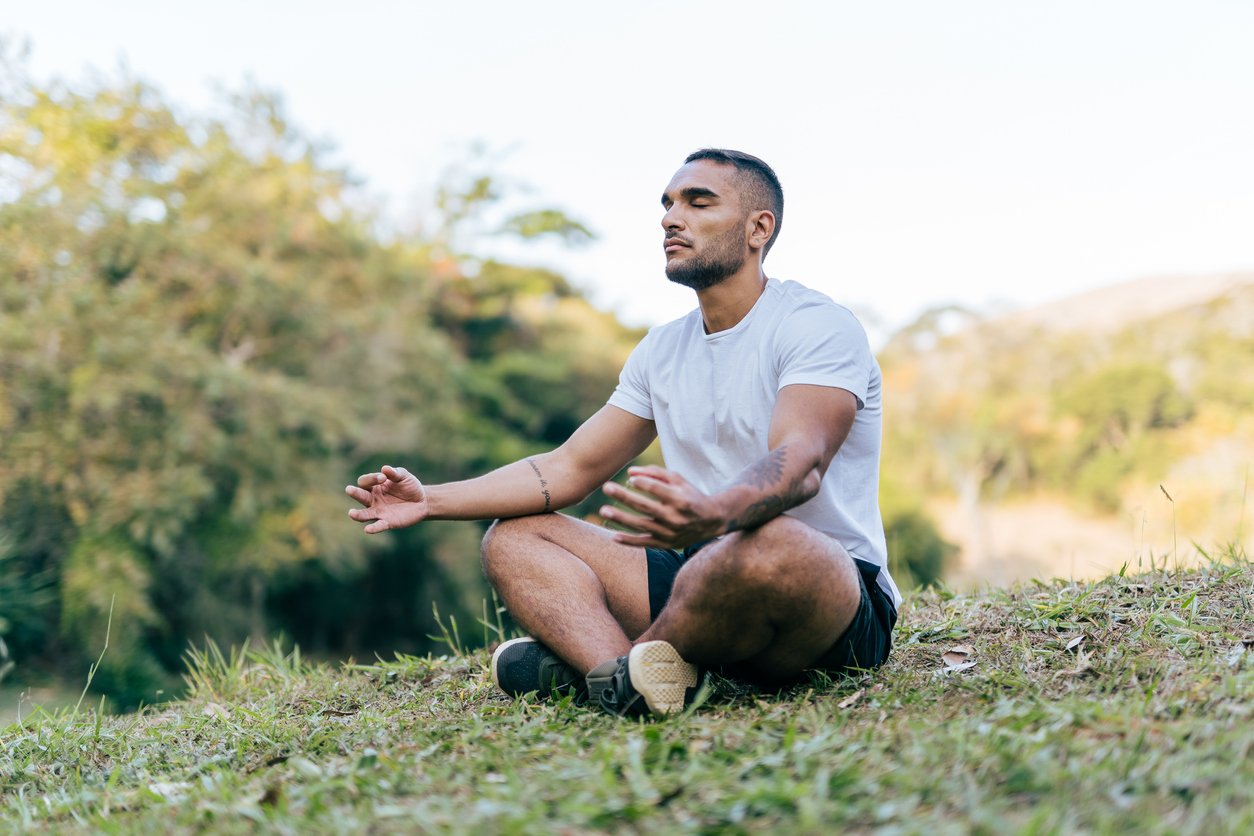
{"points": [[601, 447]]}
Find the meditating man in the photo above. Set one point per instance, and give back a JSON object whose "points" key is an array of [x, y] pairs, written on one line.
{"points": [[758, 549]]}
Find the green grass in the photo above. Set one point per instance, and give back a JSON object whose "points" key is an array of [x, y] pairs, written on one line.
{"points": [[1146, 724]]}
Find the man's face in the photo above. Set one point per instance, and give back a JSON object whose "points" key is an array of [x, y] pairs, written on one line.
{"points": [[704, 223]]}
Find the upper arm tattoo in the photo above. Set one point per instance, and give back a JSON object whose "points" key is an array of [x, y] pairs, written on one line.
{"points": [[544, 485]]}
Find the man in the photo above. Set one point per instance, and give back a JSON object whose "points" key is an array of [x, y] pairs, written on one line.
{"points": [[758, 549]]}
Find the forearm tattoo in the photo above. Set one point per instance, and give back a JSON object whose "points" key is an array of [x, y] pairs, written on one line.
{"points": [[544, 485], [766, 471], [764, 474]]}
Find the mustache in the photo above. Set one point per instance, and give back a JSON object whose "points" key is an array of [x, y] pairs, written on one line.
{"points": [[677, 237]]}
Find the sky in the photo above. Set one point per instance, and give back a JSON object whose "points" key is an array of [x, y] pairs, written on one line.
{"points": [[991, 153]]}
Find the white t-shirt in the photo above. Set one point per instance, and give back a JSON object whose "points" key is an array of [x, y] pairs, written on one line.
{"points": [[711, 397]]}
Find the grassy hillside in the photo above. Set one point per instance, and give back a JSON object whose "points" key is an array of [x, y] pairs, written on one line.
{"points": [[1125, 704]]}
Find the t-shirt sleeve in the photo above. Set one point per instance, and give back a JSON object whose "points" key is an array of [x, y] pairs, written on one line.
{"points": [[632, 392], [825, 345]]}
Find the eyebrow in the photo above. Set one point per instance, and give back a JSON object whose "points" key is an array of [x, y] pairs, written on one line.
{"points": [[691, 193]]}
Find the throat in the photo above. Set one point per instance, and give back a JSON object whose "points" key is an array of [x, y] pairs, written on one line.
{"points": [[726, 305]]}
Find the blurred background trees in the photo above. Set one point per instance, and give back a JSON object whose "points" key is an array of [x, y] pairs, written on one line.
{"points": [[202, 339], [204, 336], [1079, 411]]}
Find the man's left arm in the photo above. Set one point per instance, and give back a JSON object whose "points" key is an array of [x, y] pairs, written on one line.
{"points": [[808, 426]]}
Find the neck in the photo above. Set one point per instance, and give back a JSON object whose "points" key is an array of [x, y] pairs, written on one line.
{"points": [[729, 301]]}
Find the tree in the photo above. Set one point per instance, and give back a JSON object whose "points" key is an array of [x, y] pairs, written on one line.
{"points": [[201, 340]]}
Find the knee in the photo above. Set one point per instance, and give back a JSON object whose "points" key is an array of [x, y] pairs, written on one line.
{"points": [[501, 541], [775, 532], [775, 550], [492, 549]]}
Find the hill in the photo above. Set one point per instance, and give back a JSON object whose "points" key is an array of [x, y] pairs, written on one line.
{"points": [[1121, 705], [1069, 438], [1120, 305]]}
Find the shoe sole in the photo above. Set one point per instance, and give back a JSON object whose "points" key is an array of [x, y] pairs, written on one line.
{"points": [[497, 655], [661, 676]]}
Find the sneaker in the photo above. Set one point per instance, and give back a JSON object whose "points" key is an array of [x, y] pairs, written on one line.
{"points": [[652, 678], [524, 666]]}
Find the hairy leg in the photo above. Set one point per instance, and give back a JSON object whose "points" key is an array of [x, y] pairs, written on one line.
{"points": [[769, 601], [569, 585]]}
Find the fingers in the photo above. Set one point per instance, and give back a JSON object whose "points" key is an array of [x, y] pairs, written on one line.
{"points": [[369, 480], [637, 501], [657, 496], [631, 521], [388, 474], [640, 530], [668, 490], [368, 490], [366, 515], [362, 496], [652, 471]]}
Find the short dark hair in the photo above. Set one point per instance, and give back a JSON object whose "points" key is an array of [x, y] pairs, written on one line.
{"points": [[759, 186]]}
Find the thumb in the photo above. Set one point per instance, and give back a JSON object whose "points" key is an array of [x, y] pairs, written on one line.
{"points": [[395, 474]]}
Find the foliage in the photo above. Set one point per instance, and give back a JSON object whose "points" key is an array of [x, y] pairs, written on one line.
{"points": [[917, 552], [1117, 705], [202, 338], [998, 408]]}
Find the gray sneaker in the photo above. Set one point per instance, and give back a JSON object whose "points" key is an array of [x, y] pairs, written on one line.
{"points": [[652, 679], [524, 666]]}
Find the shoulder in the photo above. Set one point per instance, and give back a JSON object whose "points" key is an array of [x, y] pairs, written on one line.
{"points": [[802, 311], [675, 331]]}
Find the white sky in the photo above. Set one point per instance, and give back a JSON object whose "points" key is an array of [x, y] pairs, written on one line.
{"points": [[931, 152]]}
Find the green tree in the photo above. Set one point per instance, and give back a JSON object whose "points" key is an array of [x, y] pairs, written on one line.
{"points": [[201, 340]]}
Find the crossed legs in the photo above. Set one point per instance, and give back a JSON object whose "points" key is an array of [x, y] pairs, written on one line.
{"points": [[768, 602], [569, 585]]}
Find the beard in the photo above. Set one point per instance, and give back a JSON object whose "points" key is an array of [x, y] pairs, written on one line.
{"points": [[722, 257]]}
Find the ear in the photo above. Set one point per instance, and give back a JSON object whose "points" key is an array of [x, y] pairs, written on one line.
{"points": [[761, 226]]}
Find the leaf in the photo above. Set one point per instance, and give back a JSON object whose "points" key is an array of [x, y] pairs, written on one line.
{"points": [[1075, 642], [850, 700], [958, 655]]}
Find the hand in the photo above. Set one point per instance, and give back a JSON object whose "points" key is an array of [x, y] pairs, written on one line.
{"points": [[672, 513], [394, 498]]}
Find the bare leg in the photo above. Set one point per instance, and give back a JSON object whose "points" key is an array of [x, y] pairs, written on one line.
{"points": [[569, 585], [769, 601]]}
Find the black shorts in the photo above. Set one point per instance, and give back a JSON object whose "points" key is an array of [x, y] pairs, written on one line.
{"points": [[865, 644]]}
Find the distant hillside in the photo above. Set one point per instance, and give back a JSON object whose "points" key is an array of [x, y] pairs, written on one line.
{"points": [[1120, 305], [1111, 425]]}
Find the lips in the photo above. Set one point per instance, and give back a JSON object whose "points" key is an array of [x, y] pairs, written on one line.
{"points": [[673, 244]]}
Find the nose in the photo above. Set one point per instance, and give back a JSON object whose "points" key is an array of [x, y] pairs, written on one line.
{"points": [[672, 220]]}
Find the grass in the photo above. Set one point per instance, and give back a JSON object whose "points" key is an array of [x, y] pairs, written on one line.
{"points": [[1125, 704]]}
